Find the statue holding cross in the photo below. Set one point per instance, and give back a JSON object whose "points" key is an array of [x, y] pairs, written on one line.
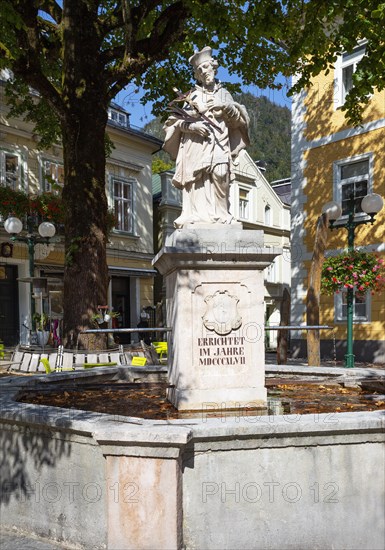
{"points": [[205, 136]]}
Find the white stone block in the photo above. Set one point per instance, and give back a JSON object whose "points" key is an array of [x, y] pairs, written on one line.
{"points": [[214, 292]]}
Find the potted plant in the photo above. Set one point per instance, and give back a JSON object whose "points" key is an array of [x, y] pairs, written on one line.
{"points": [[361, 271], [42, 328], [101, 319]]}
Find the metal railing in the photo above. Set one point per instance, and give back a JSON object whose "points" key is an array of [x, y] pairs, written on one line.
{"points": [[298, 327], [129, 330], [169, 329]]}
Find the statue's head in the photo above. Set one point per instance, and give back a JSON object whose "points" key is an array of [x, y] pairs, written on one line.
{"points": [[205, 67]]}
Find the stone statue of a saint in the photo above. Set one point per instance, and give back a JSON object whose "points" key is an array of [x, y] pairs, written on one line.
{"points": [[204, 137]]}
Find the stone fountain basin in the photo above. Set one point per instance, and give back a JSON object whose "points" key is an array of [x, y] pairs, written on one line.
{"points": [[104, 481], [142, 393]]}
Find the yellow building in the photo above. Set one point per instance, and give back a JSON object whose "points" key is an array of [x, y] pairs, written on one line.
{"points": [[330, 161], [23, 166]]}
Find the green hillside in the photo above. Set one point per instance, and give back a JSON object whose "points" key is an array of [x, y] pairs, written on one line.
{"points": [[269, 136]]}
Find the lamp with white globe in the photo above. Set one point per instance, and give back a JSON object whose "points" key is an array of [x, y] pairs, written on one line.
{"points": [[372, 204], [333, 210], [13, 225], [46, 231]]}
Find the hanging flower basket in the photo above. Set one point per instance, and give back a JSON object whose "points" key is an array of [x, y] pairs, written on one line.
{"points": [[362, 271]]}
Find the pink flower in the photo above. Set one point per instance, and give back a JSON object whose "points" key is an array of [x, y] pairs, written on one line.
{"points": [[329, 268]]}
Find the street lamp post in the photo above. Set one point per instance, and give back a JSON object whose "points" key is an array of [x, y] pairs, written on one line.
{"points": [[46, 230], [371, 204]]}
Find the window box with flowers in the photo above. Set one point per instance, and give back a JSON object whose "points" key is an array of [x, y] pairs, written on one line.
{"points": [[47, 206], [362, 271], [43, 207], [13, 202]]}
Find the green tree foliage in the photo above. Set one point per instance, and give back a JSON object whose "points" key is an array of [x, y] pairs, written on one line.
{"points": [[159, 165], [76, 55]]}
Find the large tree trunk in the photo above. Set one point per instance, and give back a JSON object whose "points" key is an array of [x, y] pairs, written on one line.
{"points": [[84, 196], [314, 290]]}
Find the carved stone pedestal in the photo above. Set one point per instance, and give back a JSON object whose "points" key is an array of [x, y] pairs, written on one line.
{"points": [[215, 292]]}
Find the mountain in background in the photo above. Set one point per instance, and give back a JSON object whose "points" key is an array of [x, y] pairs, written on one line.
{"points": [[269, 136]]}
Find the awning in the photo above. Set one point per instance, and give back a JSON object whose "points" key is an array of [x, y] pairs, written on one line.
{"points": [[50, 268], [131, 272], [115, 271]]}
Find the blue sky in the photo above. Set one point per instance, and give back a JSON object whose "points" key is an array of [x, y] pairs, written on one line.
{"points": [[129, 98]]}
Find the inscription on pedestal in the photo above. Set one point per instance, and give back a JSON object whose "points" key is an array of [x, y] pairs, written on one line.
{"points": [[228, 350]]}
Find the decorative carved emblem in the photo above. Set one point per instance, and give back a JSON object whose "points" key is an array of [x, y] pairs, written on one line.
{"points": [[222, 314]]}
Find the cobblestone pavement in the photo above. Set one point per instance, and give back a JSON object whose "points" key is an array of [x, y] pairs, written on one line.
{"points": [[12, 540]]}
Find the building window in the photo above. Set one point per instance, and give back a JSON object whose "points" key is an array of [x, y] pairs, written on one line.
{"points": [[361, 307], [123, 203], [267, 215], [244, 204], [345, 67], [53, 176], [353, 179], [354, 184], [10, 166], [117, 117]]}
